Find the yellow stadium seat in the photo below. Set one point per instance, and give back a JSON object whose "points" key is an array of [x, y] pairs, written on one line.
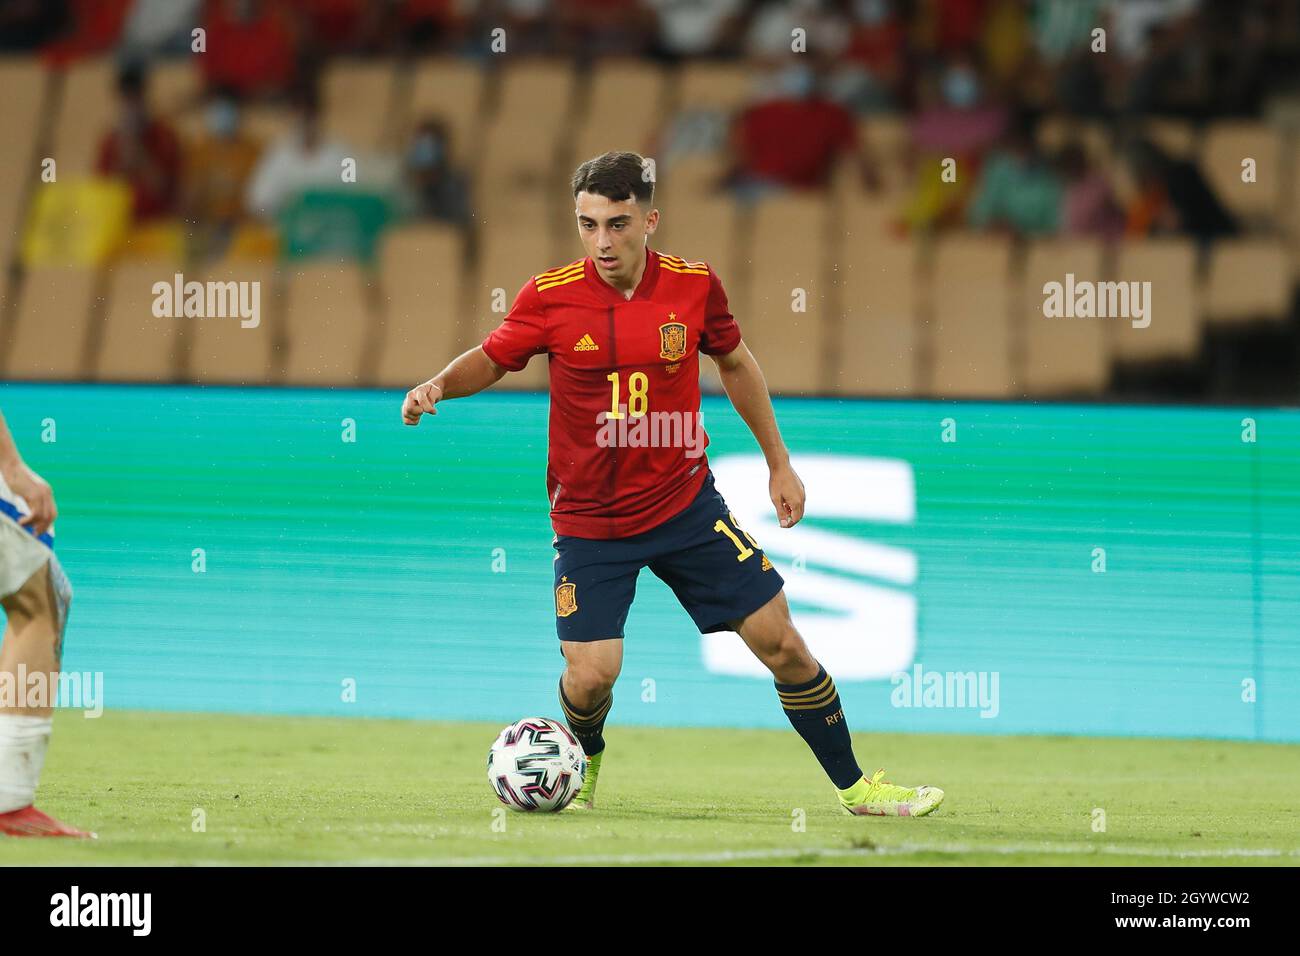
{"points": [[1063, 355], [49, 339], [970, 317], [227, 351], [1169, 265], [875, 338], [1248, 279], [422, 281], [786, 309], [136, 345], [330, 325]]}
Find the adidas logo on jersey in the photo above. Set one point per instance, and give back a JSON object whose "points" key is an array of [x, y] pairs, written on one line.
{"points": [[585, 344]]}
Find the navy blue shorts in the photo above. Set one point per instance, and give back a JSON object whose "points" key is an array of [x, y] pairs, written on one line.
{"points": [[718, 572]]}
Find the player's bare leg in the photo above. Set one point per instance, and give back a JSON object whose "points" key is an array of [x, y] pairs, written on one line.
{"points": [[33, 640], [586, 695], [812, 704]]}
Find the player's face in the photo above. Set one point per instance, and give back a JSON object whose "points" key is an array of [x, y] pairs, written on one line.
{"points": [[614, 233]]}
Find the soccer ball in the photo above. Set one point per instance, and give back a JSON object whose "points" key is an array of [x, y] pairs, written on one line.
{"points": [[536, 764]]}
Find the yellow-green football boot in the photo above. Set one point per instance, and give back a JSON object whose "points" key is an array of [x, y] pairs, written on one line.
{"points": [[586, 798], [877, 797]]}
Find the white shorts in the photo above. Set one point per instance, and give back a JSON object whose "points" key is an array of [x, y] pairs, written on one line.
{"points": [[22, 554]]}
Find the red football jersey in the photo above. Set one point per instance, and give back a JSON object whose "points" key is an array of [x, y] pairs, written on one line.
{"points": [[626, 444]]}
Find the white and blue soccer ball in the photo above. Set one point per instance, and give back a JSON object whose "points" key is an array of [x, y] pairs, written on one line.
{"points": [[536, 764]]}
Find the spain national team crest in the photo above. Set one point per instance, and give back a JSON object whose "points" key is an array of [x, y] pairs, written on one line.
{"points": [[672, 339], [566, 599]]}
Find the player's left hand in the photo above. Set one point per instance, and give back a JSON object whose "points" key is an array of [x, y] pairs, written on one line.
{"points": [[786, 491]]}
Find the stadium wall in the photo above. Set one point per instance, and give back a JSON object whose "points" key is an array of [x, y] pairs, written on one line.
{"points": [[1063, 569]]}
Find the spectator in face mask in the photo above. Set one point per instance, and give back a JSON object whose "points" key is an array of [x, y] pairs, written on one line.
{"points": [[218, 168], [434, 189], [142, 151]]}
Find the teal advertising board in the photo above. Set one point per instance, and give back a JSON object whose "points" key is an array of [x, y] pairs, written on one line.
{"points": [[969, 568]]}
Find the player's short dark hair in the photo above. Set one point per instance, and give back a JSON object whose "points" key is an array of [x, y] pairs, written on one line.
{"points": [[616, 175]]}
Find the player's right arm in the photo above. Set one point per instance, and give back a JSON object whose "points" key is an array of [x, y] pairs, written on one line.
{"points": [[25, 483], [466, 375]]}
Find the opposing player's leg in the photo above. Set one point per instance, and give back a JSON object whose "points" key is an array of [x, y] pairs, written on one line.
{"points": [[33, 640], [595, 582], [812, 705]]}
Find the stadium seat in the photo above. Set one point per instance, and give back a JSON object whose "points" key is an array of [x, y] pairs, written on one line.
{"points": [[1063, 356], [712, 85], [1170, 266], [507, 259], [785, 313], [221, 351], [1248, 279], [969, 317], [876, 216], [87, 109], [700, 229], [874, 339], [452, 90], [692, 176], [175, 89], [48, 341], [135, 345], [1176, 137], [21, 111], [1227, 144], [539, 90], [422, 280], [1055, 131], [519, 151], [330, 325], [267, 123], [627, 99], [358, 101], [886, 139]]}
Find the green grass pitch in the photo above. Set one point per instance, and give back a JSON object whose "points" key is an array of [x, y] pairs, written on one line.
{"points": [[335, 791]]}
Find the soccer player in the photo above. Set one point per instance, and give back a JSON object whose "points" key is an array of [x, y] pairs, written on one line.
{"points": [[623, 330], [35, 595]]}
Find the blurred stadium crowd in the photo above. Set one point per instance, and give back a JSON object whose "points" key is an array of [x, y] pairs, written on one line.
{"points": [[916, 170]]}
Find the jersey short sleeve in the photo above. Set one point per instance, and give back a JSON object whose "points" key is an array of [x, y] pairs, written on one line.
{"points": [[521, 334], [721, 334]]}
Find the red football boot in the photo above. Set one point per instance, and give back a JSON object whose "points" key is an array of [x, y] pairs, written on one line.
{"points": [[30, 822]]}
